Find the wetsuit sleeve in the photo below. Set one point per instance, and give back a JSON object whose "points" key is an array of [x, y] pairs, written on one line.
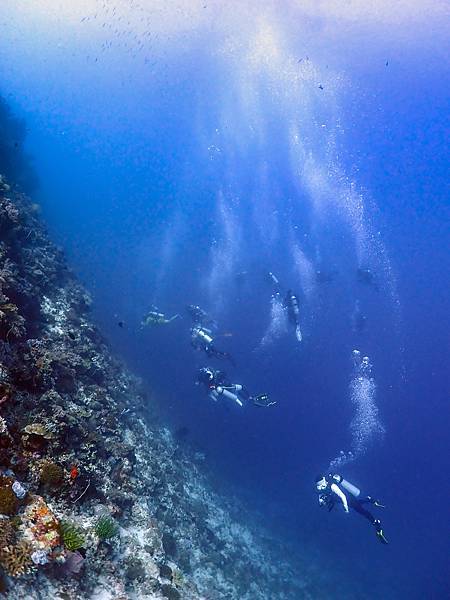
{"points": [[340, 494]]}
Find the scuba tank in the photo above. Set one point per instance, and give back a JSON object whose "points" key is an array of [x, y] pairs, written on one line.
{"points": [[350, 488], [223, 391], [273, 278], [202, 334]]}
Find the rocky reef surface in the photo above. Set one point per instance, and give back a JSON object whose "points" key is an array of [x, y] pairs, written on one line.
{"points": [[96, 502]]}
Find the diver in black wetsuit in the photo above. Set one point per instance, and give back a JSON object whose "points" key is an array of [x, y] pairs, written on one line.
{"points": [[217, 384], [292, 304], [199, 316], [201, 339], [156, 317], [333, 487]]}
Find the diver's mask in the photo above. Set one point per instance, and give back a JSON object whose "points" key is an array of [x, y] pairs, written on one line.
{"points": [[321, 485]]}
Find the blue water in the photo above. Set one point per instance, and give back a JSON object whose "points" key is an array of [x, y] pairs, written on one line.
{"points": [[182, 145]]}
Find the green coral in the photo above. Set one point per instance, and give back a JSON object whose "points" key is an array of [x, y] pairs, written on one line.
{"points": [[71, 535], [106, 527]]}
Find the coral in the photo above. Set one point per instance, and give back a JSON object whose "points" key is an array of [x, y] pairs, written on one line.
{"points": [[38, 429], [19, 491], [72, 536], [51, 474], [106, 527], [40, 525], [36, 437], [40, 557], [177, 578], [7, 533], [15, 522], [16, 560], [8, 501], [72, 565]]}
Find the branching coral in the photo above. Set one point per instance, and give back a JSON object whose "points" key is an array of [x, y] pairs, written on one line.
{"points": [[16, 559], [7, 533]]}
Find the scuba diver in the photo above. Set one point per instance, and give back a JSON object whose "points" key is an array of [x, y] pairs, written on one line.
{"points": [[217, 384], [292, 305], [333, 487], [201, 339], [199, 316], [155, 317]]}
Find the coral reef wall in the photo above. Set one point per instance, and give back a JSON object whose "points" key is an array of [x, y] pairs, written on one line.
{"points": [[95, 502]]}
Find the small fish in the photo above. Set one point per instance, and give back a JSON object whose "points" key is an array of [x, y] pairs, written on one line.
{"points": [[74, 472]]}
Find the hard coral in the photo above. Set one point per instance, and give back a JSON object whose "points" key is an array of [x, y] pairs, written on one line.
{"points": [[7, 533], [8, 501], [36, 437], [40, 525], [38, 429], [16, 560], [51, 474]]}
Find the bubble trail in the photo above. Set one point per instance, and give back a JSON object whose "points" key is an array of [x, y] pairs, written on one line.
{"points": [[278, 322], [365, 426]]}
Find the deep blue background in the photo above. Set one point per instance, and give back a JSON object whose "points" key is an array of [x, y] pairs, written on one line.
{"points": [[133, 157]]}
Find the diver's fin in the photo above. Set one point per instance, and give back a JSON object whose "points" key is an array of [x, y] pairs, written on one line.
{"points": [[381, 536]]}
